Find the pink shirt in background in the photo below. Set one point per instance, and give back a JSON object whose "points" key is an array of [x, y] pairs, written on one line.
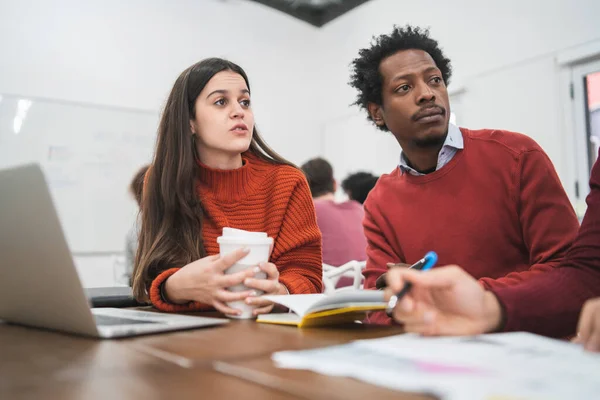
{"points": [[342, 229]]}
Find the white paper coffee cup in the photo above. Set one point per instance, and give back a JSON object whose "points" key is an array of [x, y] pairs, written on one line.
{"points": [[260, 246]]}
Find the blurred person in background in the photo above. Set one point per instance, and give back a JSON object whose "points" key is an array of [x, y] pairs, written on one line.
{"points": [[340, 223]]}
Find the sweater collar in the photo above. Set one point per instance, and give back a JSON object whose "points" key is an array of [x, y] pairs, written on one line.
{"points": [[234, 184]]}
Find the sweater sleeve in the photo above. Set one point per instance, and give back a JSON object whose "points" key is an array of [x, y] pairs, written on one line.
{"points": [[559, 295], [379, 253], [548, 222], [297, 250], [158, 301]]}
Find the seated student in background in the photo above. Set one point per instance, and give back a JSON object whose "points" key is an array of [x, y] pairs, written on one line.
{"points": [[358, 185], [448, 301], [131, 240], [340, 223], [211, 170], [488, 200]]}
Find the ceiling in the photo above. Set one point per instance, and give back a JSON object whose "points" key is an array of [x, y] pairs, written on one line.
{"points": [[315, 12]]}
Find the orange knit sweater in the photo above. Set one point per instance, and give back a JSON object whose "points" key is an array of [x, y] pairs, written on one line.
{"points": [[262, 197]]}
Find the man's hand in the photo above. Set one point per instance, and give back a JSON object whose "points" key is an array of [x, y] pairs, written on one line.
{"points": [[588, 328], [443, 301]]}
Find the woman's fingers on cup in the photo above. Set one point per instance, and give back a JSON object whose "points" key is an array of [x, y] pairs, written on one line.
{"points": [[270, 269], [223, 308], [257, 301], [225, 296], [262, 310], [238, 277], [266, 285], [229, 259]]}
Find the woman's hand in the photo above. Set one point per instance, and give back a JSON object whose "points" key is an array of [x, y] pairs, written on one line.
{"points": [[269, 286], [204, 281]]}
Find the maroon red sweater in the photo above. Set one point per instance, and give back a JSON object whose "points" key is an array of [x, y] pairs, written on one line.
{"points": [[497, 209], [559, 295]]}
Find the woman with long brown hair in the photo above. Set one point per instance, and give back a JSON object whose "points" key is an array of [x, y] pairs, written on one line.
{"points": [[211, 170]]}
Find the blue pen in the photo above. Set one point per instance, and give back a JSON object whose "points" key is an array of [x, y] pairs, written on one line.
{"points": [[428, 261]]}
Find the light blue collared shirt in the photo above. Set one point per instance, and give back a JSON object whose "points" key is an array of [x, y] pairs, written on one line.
{"points": [[453, 143]]}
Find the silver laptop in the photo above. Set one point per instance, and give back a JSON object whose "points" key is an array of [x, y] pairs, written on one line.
{"points": [[39, 285]]}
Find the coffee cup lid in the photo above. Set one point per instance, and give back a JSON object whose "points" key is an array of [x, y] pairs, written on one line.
{"points": [[249, 240]]}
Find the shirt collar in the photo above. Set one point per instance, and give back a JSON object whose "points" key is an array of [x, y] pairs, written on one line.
{"points": [[454, 139]]}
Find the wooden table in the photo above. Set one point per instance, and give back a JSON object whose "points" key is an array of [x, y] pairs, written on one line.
{"points": [[231, 361]]}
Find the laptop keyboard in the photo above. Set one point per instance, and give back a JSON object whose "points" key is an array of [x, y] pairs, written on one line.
{"points": [[105, 320]]}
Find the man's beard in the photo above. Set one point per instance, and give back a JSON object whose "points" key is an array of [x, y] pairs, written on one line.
{"points": [[430, 142]]}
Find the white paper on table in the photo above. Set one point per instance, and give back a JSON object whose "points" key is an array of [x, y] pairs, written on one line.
{"points": [[508, 365]]}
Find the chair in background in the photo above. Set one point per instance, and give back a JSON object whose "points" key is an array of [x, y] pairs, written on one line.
{"points": [[332, 275]]}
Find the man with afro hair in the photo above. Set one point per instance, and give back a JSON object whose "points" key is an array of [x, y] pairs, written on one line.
{"points": [[488, 200]]}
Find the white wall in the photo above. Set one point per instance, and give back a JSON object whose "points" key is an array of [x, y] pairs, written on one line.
{"points": [[129, 53], [100, 270], [503, 54]]}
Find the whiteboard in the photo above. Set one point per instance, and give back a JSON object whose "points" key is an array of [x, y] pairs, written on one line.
{"points": [[89, 155]]}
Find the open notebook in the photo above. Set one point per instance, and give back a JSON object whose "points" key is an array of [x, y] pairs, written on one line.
{"points": [[320, 309]]}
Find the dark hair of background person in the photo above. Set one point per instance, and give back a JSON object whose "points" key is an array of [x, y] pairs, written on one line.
{"points": [[319, 175], [358, 185], [136, 186]]}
